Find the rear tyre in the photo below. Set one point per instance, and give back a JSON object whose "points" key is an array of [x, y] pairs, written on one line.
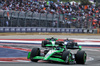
{"points": [[81, 57], [44, 43], [66, 56], [34, 52]]}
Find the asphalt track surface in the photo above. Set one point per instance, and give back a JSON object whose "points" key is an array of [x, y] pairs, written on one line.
{"points": [[94, 53]]}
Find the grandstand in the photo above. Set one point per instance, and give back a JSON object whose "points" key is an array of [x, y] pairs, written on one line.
{"points": [[24, 13]]}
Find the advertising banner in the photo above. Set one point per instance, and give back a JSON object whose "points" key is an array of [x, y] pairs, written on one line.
{"points": [[1, 29], [39, 29], [44, 30], [23, 29], [49, 29], [67, 31], [54, 30], [63, 30], [18, 29], [12, 29], [33, 30], [58, 30], [28, 29], [6, 30]]}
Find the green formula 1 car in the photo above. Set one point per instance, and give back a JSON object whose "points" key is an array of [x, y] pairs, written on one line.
{"points": [[58, 51]]}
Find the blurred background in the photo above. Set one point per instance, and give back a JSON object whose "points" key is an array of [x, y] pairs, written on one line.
{"points": [[83, 14]]}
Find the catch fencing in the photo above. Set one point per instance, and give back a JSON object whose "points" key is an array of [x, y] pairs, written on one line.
{"points": [[10, 21], [30, 19]]}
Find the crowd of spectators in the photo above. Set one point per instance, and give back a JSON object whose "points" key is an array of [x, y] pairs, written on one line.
{"points": [[67, 9]]}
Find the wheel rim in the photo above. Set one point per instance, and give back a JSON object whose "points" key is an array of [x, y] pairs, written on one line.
{"points": [[68, 60]]}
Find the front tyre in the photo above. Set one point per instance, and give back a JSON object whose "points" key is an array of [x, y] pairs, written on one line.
{"points": [[66, 56], [34, 52], [81, 57]]}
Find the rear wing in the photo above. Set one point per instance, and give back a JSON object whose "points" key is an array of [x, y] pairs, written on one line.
{"points": [[52, 39]]}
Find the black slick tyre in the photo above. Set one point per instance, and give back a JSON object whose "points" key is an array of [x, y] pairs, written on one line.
{"points": [[44, 43], [66, 56], [81, 57], [34, 52]]}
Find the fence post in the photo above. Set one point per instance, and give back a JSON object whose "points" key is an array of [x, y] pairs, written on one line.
{"points": [[3, 18], [91, 23], [32, 19], [18, 19], [52, 18], [58, 21], [25, 19], [39, 19], [0, 21], [82, 22], [64, 20], [46, 19], [11, 18]]}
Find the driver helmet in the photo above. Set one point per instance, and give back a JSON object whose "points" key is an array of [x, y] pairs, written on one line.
{"points": [[52, 37]]}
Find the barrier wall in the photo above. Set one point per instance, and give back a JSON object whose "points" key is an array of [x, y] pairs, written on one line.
{"points": [[44, 29]]}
